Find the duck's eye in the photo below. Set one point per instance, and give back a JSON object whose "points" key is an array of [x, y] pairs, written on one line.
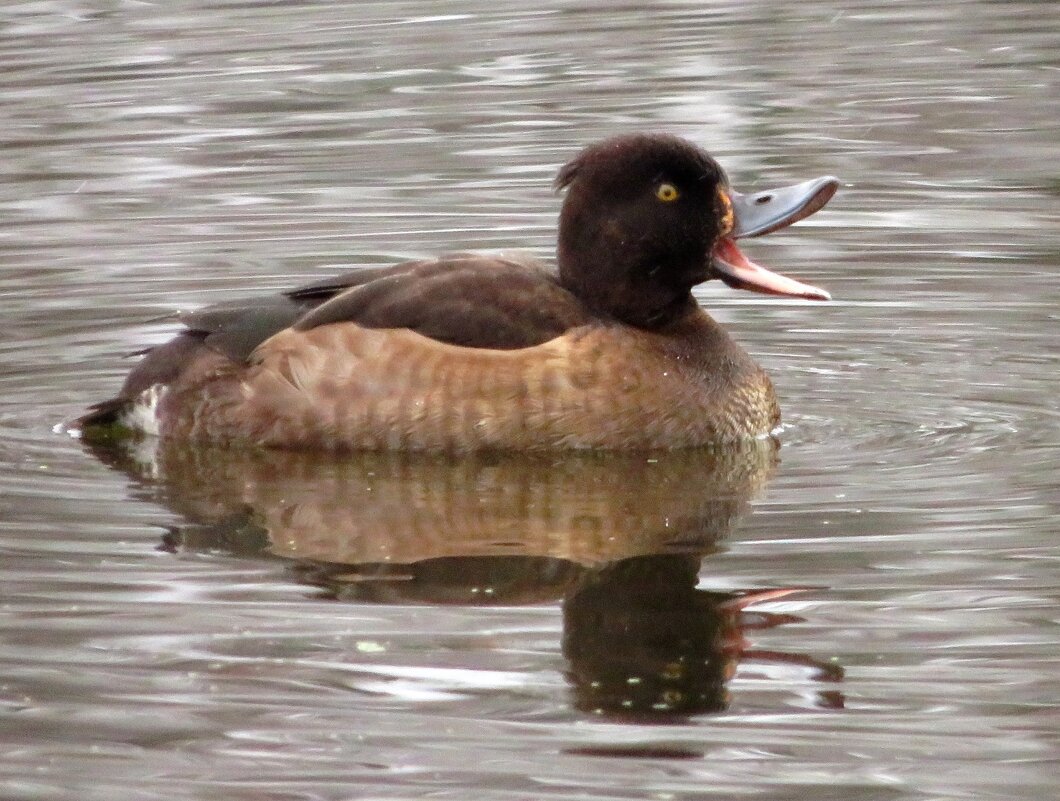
{"points": [[667, 193]]}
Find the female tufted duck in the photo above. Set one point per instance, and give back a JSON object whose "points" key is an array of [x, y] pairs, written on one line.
{"points": [[470, 351]]}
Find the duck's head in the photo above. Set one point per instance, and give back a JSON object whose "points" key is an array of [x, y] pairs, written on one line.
{"points": [[649, 216]]}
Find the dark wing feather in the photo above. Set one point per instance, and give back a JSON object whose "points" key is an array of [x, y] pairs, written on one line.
{"points": [[329, 287], [235, 328], [471, 300]]}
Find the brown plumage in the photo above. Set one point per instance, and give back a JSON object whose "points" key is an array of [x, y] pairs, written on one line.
{"points": [[487, 352]]}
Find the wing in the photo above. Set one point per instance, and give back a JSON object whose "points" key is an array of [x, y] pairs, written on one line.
{"points": [[235, 328], [471, 300]]}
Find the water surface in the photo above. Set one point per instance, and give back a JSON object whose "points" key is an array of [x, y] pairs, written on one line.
{"points": [[868, 613]]}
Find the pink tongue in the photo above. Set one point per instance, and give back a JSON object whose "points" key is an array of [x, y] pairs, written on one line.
{"points": [[741, 273]]}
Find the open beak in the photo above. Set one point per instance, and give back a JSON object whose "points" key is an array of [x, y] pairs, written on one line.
{"points": [[763, 213]]}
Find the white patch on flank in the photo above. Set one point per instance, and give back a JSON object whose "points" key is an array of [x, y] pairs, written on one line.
{"points": [[145, 453], [142, 414]]}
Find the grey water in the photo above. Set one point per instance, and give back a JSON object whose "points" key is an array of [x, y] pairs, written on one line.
{"points": [[868, 612]]}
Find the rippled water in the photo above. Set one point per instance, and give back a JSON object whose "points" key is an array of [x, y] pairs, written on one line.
{"points": [[868, 614]]}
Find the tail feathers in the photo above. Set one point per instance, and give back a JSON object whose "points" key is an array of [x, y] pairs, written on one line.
{"points": [[102, 418], [161, 365]]}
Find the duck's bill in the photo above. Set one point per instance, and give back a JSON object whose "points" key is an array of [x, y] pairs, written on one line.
{"points": [[763, 213]]}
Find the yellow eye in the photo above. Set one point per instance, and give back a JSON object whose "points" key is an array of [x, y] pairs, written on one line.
{"points": [[667, 193], [728, 219]]}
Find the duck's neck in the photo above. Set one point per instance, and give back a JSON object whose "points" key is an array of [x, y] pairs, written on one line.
{"points": [[635, 296]]}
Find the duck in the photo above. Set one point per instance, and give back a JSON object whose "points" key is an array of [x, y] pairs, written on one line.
{"points": [[607, 349]]}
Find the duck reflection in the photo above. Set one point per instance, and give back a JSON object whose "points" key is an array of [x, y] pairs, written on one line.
{"points": [[642, 642], [617, 538]]}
